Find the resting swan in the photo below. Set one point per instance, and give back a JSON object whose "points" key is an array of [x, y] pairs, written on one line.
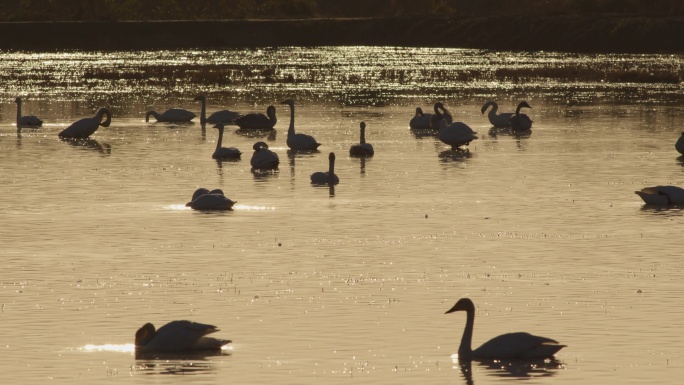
{"points": [[263, 158], [298, 142], [177, 336], [520, 122], [679, 145], [87, 126], [328, 177], [27, 121], [258, 121], [420, 120], [223, 116], [224, 152], [440, 113], [662, 195], [172, 115], [497, 120], [203, 199], [456, 134], [362, 148], [506, 346]]}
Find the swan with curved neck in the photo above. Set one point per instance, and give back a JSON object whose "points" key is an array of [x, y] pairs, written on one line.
{"points": [[421, 120], [177, 336], [298, 142], [456, 134], [520, 122], [362, 148], [328, 177], [497, 120], [222, 116], [224, 152], [263, 158], [440, 114], [87, 126], [173, 115], [506, 346], [258, 121], [662, 195], [27, 121]]}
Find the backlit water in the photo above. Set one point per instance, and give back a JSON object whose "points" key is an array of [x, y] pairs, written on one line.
{"points": [[317, 286]]}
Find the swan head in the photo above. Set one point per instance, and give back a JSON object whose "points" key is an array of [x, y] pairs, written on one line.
{"points": [[419, 111], [219, 125], [104, 111], [17, 100], [463, 304], [289, 102], [486, 106], [200, 97], [271, 111], [259, 145], [145, 334], [362, 125], [523, 104], [217, 191], [331, 157]]}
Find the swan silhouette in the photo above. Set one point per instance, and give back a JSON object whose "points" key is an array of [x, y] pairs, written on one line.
{"points": [[263, 158], [328, 177], [679, 145], [501, 120], [362, 148], [506, 346], [172, 115], [258, 121], [223, 116], [87, 126], [27, 121], [224, 152], [662, 195], [520, 122], [421, 120], [298, 142], [440, 114], [177, 336], [456, 134], [203, 199]]}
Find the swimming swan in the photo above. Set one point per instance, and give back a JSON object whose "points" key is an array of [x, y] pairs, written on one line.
{"points": [[501, 120], [506, 346], [87, 126], [328, 177], [223, 116], [456, 134], [362, 148], [177, 336], [679, 145], [224, 152], [662, 195], [172, 115], [295, 141], [263, 158], [440, 113], [203, 199], [258, 121], [27, 121], [520, 122], [421, 120]]}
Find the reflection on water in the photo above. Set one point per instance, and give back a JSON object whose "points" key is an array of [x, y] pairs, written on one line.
{"points": [[519, 369]]}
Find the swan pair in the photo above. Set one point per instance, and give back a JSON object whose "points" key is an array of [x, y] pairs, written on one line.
{"points": [[85, 127], [513, 120], [28, 121], [203, 199], [177, 336]]}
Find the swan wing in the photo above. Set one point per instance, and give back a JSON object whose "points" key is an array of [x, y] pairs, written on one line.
{"points": [[265, 160], [662, 195], [302, 142], [30, 120], [456, 134], [177, 115], [679, 145], [227, 153], [421, 121], [520, 122], [517, 346], [500, 120], [179, 336], [81, 129], [223, 116], [254, 121], [212, 202], [361, 149]]}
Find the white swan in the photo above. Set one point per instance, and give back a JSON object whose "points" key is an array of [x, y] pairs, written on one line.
{"points": [[421, 120], [263, 158], [456, 134], [224, 152], [506, 346], [177, 336], [258, 121], [520, 122], [223, 116], [87, 126], [328, 177], [27, 121], [295, 141], [362, 148], [203, 199], [662, 195], [497, 120], [171, 115], [679, 145], [440, 113]]}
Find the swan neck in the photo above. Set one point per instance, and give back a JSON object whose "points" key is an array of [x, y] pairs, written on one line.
{"points": [[331, 168], [153, 113], [363, 135], [107, 121], [465, 351], [19, 110], [203, 111], [220, 138], [291, 130]]}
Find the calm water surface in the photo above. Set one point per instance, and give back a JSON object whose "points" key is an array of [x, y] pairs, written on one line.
{"points": [[349, 285]]}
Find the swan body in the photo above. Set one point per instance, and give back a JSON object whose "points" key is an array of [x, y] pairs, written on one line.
{"points": [[263, 158], [497, 120], [224, 152], [171, 115], [258, 121], [456, 134], [520, 122], [222, 116], [298, 142], [662, 195], [679, 145], [506, 346], [440, 114], [328, 177], [203, 199], [421, 120], [177, 336], [362, 148], [87, 126], [28, 120]]}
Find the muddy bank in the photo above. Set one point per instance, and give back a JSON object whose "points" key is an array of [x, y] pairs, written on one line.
{"points": [[600, 33]]}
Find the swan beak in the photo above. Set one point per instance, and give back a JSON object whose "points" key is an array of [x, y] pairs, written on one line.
{"points": [[453, 309]]}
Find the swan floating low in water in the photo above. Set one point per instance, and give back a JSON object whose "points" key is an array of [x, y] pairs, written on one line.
{"points": [[440, 114], [662, 195], [27, 121], [177, 336], [224, 152], [328, 177], [420, 120], [173, 115], [679, 145], [298, 142], [87, 126], [520, 122], [362, 148], [203, 199], [456, 134], [263, 158], [258, 121], [519, 345], [501, 120], [222, 116]]}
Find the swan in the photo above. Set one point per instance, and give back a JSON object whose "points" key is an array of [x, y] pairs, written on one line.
{"points": [[328, 177], [27, 121], [203, 199], [506, 346], [298, 141], [679, 146], [224, 152], [362, 148], [171, 115], [520, 122], [497, 120], [662, 195], [421, 120], [198, 192], [177, 336], [456, 134], [258, 121], [440, 113], [223, 116], [87, 126], [263, 158]]}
